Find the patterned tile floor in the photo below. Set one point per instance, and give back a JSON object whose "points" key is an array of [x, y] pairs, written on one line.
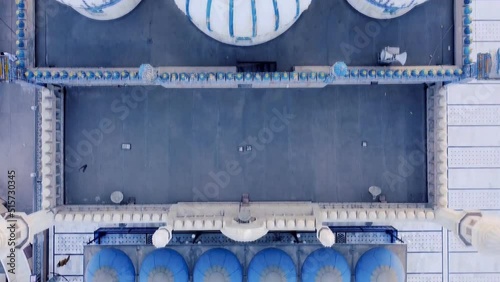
{"points": [[474, 172]]}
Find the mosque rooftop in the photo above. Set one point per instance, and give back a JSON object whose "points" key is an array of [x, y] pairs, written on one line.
{"points": [[158, 33], [343, 141], [431, 146], [322, 145]]}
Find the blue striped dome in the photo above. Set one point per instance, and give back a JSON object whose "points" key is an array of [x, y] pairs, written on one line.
{"points": [[218, 265], [379, 265], [326, 265], [164, 265], [102, 9], [110, 265], [243, 22], [384, 9], [272, 265]]}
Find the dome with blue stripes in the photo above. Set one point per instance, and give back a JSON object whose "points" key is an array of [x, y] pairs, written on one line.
{"points": [[164, 265], [110, 265], [102, 9], [272, 265], [243, 22], [379, 265], [326, 265], [218, 265], [384, 9]]}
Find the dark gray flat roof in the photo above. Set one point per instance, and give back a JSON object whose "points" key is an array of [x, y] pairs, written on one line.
{"points": [[157, 32], [184, 144], [17, 144], [7, 26]]}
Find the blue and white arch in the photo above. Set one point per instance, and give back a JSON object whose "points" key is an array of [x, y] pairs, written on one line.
{"points": [[243, 22], [164, 265], [218, 265], [384, 9], [272, 265], [111, 265], [326, 264], [102, 9], [379, 265]]}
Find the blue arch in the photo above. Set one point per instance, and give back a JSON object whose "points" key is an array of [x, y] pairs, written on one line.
{"points": [[165, 259], [321, 258], [218, 257], [112, 259], [376, 258], [268, 258]]}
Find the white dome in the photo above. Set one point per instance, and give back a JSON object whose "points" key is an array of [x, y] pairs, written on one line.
{"points": [[384, 9], [486, 235], [243, 22], [102, 9]]}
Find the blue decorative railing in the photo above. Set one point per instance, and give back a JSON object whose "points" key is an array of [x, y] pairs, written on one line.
{"points": [[21, 41], [389, 6], [467, 33], [99, 9], [130, 76]]}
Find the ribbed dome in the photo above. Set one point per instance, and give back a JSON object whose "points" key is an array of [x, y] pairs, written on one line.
{"points": [[384, 9], [326, 265], [243, 22], [486, 235], [110, 265], [379, 265], [218, 265], [164, 265], [102, 9], [272, 265]]}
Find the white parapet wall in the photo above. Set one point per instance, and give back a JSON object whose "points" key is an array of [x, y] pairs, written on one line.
{"points": [[102, 9], [385, 9], [243, 22], [48, 152], [439, 172], [279, 216]]}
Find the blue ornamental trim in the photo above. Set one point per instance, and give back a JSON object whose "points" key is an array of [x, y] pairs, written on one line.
{"points": [[21, 51], [340, 73], [389, 6], [209, 10], [99, 9], [297, 12], [254, 19], [276, 15], [130, 76], [467, 34], [231, 18], [187, 10]]}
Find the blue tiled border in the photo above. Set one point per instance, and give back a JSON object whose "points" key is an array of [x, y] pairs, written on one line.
{"points": [[100, 76], [467, 33], [353, 75], [21, 41]]}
